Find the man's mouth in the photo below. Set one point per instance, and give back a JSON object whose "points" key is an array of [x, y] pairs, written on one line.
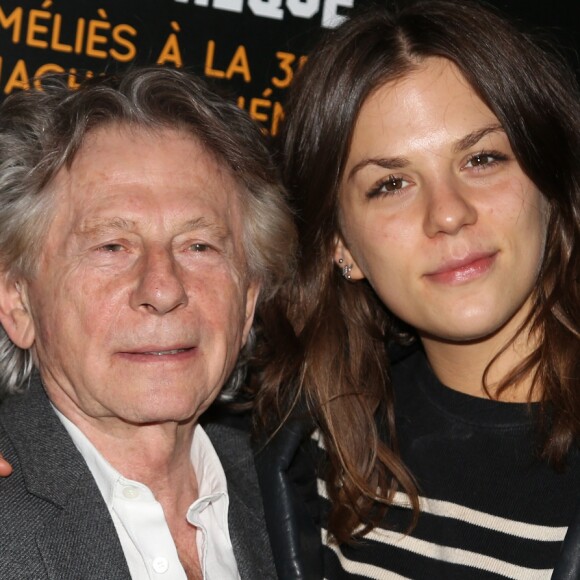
{"points": [[151, 353], [164, 352]]}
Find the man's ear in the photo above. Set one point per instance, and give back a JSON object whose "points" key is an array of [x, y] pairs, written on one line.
{"points": [[252, 294], [15, 315], [343, 259]]}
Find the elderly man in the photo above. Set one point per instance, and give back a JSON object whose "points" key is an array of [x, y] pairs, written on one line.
{"points": [[141, 221]]}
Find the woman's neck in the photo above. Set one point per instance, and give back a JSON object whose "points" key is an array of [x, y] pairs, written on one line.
{"points": [[462, 365]]}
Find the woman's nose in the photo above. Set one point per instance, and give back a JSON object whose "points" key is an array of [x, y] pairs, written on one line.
{"points": [[448, 209]]}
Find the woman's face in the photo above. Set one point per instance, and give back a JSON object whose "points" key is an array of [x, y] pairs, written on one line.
{"points": [[436, 212]]}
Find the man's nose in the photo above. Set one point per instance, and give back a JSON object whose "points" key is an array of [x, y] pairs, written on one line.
{"points": [[448, 209], [160, 287]]}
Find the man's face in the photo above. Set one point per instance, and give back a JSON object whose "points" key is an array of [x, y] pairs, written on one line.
{"points": [[140, 304]]}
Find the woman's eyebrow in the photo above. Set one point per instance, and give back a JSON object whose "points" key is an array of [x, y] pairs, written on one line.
{"points": [[401, 162], [384, 162], [475, 136]]}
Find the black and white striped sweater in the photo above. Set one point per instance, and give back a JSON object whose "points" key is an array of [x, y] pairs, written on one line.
{"points": [[490, 509]]}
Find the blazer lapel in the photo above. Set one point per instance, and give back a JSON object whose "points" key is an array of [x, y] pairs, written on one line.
{"points": [[82, 541], [245, 515], [79, 541]]}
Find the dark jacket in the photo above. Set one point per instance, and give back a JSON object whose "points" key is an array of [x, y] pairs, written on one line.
{"points": [[54, 523], [287, 479]]}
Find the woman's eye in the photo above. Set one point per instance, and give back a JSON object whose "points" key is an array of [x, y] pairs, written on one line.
{"points": [[485, 158], [392, 184], [481, 159], [199, 247]]}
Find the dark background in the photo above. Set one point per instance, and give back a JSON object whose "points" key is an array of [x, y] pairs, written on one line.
{"points": [[249, 48]]}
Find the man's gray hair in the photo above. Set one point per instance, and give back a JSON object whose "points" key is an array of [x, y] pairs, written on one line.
{"points": [[42, 131]]}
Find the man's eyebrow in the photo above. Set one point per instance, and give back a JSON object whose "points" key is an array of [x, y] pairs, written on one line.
{"points": [[222, 231], [95, 226], [384, 162], [475, 136]]}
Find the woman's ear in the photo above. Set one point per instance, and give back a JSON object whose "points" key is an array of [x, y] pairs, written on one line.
{"points": [[344, 260], [15, 315]]}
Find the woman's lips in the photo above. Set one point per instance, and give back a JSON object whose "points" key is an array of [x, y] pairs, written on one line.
{"points": [[463, 271]]}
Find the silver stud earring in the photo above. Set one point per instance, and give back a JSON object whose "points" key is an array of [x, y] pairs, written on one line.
{"points": [[345, 270]]}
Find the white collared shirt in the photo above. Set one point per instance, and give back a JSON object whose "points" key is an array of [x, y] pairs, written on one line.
{"points": [[140, 523]]}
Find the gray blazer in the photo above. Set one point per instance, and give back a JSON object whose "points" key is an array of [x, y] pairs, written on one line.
{"points": [[54, 523]]}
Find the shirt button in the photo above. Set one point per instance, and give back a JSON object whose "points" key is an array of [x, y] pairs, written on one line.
{"points": [[130, 492], [160, 565]]}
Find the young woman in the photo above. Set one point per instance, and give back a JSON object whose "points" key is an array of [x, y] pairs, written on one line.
{"points": [[434, 159]]}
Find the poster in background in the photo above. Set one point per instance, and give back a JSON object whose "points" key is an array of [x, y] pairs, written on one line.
{"points": [[250, 49]]}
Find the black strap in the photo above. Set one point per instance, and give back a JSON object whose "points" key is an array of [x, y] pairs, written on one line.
{"points": [[288, 484], [568, 566]]}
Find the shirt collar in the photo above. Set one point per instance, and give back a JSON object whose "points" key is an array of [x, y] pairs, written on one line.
{"points": [[210, 475]]}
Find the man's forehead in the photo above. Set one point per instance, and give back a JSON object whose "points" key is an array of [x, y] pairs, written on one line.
{"points": [[101, 138], [117, 159]]}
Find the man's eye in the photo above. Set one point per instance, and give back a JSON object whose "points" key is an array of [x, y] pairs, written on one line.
{"points": [[199, 247], [111, 248]]}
